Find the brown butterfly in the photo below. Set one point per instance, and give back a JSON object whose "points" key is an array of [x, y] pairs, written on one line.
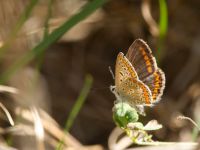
{"points": [[138, 80]]}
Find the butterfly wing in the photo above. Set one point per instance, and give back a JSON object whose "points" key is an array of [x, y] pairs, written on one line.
{"points": [[140, 56], [135, 92], [123, 70], [128, 86], [156, 83]]}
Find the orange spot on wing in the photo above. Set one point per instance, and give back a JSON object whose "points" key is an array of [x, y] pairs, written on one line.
{"points": [[149, 69], [157, 84], [146, 95], [133, 74], [147, 60]]}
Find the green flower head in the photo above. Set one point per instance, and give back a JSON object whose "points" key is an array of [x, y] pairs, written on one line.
{"points": [[123, 114]]}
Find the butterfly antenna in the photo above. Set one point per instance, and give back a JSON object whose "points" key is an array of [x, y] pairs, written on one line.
{"points": [[110, 69]]}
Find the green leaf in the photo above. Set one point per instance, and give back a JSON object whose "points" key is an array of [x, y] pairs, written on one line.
{"points": [[123, 114], [152, 125]]}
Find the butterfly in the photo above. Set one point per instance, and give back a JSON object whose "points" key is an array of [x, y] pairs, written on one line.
{"points": [[138, 80]]}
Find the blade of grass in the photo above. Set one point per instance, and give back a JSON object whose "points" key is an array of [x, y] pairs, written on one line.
{"points": [[22, 19], [163, 25], [46, 32], [196, 131], [49, 14], [77, 106], [87, 10]]}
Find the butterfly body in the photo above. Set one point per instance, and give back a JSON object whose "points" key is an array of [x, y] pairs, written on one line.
{"points": [[138, 80]]}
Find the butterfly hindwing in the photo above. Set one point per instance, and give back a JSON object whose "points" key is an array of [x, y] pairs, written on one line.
{"points": [[156, 83]]}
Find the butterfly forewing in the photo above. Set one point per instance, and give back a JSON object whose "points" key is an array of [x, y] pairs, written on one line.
{"points": [[140, 56], [123, 70], [128, 86]]}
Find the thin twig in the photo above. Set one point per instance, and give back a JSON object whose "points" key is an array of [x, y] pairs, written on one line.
{"points": [[39, 129], [189, 119], [7, 114], [9, 89], [146, 12]]}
